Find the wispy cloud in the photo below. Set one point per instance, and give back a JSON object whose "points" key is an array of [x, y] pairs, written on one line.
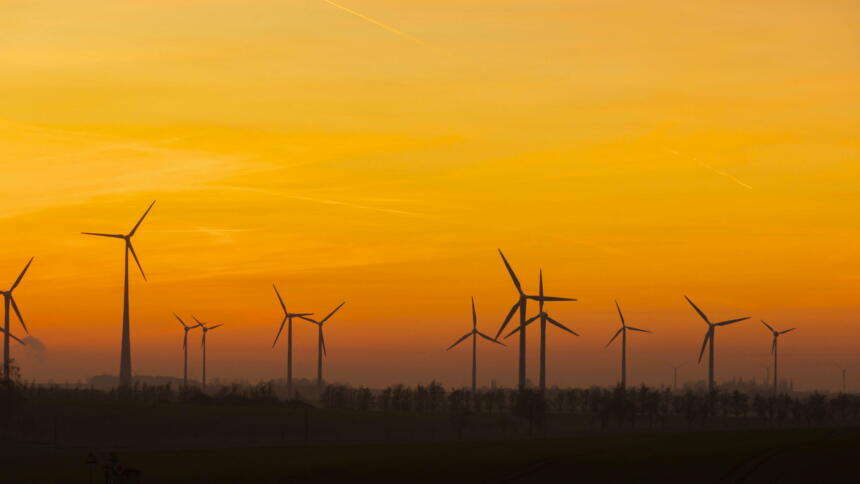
{"points": [[325, 201], [715, 170]]}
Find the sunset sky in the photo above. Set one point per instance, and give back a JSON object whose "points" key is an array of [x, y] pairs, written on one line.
{"points": [[639, 151]]}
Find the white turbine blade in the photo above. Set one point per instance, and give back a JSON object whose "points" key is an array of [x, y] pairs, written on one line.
{"points": [[615, 336], [511, 272], [115, 236], [133, 230], [133, 254], [787, 331], [280, 300], [556, 323], [180, 320], [731, 321], [331, 313], [768, 326], [638, 329], [459, 341], [508, 318], [482, 335], [283, 322], [698, 310], [21, 276], [704, 344], [620, 314]]}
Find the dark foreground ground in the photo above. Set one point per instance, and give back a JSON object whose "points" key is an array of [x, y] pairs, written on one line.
{"points": [[777, 455]]}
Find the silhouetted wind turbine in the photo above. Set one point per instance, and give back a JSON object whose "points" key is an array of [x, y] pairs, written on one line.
{"points": [[125, 352], [187, 328], [675, 376], [844, 370], [544, 318], [521, 305], [288, 320], [623, 332], [321, 351], [774, 348], [9, 300], [203, 343], [474, 334], [709, 338]]}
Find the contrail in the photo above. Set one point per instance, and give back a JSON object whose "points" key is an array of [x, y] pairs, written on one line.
{"points": [[715, 170], [380, 24]]}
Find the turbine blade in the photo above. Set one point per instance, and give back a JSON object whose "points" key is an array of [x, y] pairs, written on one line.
{"points": [[199, 323], [18, 313], [541, 300], [281, 300], [620, 314], [482, 335], [508, 318], [14, 337], [474, 314], [773, 346], [698, 310], [526, 323], [322, 340], [615, 336], [459, 341], [185, 341], [768, 326], [214, 327], [638, 329], [787, 331], [21, 276], [133, 230], [115, 236], [203, 340], [331, 313], [511, 272], [731, 321], [549, 298], [180, 320], [310, 320], [704, 344], [562, 326], [283, 322], [133, 254]]}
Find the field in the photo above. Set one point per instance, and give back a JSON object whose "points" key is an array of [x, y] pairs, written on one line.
{"points": [[234, 444]]}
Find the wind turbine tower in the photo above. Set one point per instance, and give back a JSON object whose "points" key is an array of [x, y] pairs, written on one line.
{"points": [[125, 351]]}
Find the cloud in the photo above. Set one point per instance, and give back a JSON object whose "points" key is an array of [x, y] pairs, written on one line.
{"points": [[34, 347]]}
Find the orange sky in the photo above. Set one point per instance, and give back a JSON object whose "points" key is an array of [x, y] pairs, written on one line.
{"points": [[634, 150]]}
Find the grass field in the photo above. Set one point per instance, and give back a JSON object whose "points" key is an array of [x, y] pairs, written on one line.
{"points": [[777, 455]]}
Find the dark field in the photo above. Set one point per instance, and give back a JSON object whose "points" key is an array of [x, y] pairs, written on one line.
{"points": [[234, 444]]}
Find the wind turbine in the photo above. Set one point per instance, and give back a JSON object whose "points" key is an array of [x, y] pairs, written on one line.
{"points": [[623, 332], [288, 320], [474, 334], [9, 300], [844, 370], [187, 328], [675, 376], [521, 306], [321, 351], [544, 318], [774, 348], [203, 343], [709, 338], [125, 352]]}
